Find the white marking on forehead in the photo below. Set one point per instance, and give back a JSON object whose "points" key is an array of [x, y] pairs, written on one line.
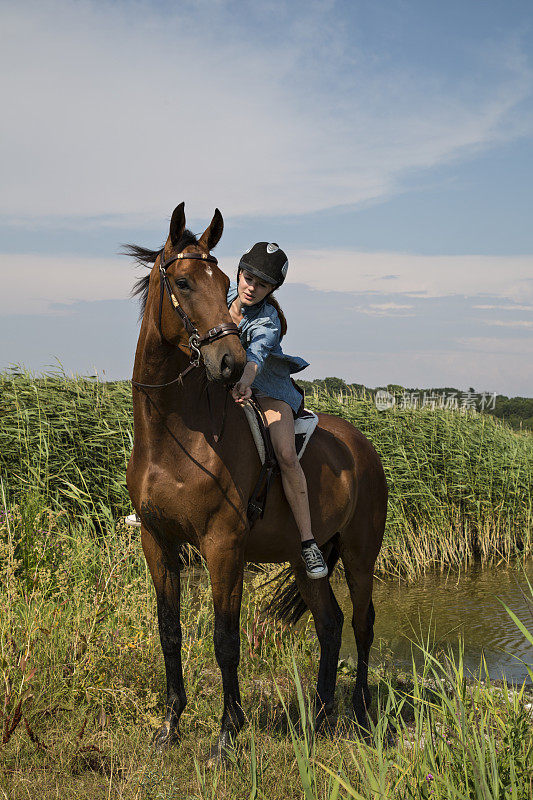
{"points": [[208, 270]]}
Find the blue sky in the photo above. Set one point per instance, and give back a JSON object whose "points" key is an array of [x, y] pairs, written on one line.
{"points": [[386, 146]]}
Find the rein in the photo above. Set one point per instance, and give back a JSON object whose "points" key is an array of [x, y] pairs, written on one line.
{"points": [[195, 340]]}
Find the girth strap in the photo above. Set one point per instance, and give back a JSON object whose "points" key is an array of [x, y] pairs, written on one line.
{"points": [[257, 501]]}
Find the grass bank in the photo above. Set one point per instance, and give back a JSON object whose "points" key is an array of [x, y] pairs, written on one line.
{"points": [[461, 485], [83, 683]]}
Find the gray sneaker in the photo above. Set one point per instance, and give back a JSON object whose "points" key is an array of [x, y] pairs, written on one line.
{"points": [[133, 519], [315, 566]]}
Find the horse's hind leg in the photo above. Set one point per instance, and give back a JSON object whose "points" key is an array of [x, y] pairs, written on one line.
{"points": [[359, 545], [164, 570], [363, 625], [328, 618], [359, 577]]}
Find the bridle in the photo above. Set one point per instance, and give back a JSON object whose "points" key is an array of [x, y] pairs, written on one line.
{"points": [[195, 340]]}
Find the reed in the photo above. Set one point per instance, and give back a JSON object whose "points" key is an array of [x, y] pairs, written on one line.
{"points": [[461, 485], [68, 441]]}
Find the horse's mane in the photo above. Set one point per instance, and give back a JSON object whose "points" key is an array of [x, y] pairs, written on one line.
{"points": [[144, 257]]}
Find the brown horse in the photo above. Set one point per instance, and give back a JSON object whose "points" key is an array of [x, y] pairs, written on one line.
{"points": [[194, 466]]}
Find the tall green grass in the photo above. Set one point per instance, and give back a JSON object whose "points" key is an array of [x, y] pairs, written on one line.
{"points": [[461, 485], [67, 441], [82, 680]]}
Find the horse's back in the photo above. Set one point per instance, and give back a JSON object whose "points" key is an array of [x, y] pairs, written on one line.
{"points": [[344, 436]]}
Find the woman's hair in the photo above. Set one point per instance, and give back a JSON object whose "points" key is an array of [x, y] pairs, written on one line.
{"points": [[272, 300]]}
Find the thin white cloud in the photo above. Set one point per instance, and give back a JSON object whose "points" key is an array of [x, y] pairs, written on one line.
{"points": [[502, 307], [509, 323], [35, 284], [508, 277], [385, 309], [126, 109], [50, 280]]}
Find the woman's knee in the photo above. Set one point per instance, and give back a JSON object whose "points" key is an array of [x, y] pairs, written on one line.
{"points": [[286, 455]]}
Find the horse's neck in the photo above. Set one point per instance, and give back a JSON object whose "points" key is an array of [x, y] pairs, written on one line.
{"points": [[156, 361]]}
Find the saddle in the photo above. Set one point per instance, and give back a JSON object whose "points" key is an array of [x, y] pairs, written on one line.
{"points": [[304, 425]]}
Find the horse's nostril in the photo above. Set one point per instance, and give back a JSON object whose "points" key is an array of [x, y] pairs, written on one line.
{"points": [[227, 363]]}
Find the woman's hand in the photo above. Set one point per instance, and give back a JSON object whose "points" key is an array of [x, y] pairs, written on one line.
{"points": [[241, 392]]}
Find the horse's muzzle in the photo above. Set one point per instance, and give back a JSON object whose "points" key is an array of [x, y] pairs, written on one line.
{"points": [[227, 368]]}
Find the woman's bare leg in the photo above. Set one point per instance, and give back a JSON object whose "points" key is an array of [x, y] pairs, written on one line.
{"points": [[281, 426]]}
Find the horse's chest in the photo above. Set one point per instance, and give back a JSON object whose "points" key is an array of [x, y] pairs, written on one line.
{"points": [[187, 496], [180, 499]]}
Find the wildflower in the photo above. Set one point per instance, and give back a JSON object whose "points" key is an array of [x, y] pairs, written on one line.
{"points": [[429, 777]]}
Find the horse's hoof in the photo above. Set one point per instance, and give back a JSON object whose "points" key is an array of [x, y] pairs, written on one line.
{"points": [[322, 716], [363, 724], [221, 753], [361, 704], [165, 737]]}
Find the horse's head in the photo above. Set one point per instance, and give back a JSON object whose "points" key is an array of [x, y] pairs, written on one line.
{"points": [[200, 289]]}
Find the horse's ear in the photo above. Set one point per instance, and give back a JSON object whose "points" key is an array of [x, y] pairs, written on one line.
{"points": [[177, 223], [211, 236]]}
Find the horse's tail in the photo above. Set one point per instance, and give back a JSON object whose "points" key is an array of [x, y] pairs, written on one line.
{"points": [[287, 603]]}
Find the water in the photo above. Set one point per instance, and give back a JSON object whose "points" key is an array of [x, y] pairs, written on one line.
{"points": [[446, 607]]}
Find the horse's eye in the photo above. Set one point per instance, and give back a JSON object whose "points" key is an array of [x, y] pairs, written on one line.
{"points": [[182, 284]]}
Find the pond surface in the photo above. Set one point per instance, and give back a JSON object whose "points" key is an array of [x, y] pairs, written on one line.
{"points": [[445, 607]]}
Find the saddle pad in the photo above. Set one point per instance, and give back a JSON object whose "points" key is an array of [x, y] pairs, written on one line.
{"points": [[304, 426]]}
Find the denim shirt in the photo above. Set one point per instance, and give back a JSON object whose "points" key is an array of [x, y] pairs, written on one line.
{"points": [[260, 333]]}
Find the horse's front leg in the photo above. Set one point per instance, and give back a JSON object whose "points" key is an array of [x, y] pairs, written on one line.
{"points": [[225, 562], [164, 570]]}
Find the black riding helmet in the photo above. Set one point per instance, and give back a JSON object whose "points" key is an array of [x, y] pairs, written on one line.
{"points": [[266, 261]]}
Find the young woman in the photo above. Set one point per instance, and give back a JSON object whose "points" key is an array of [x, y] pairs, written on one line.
{"points": [[262, 269]]}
